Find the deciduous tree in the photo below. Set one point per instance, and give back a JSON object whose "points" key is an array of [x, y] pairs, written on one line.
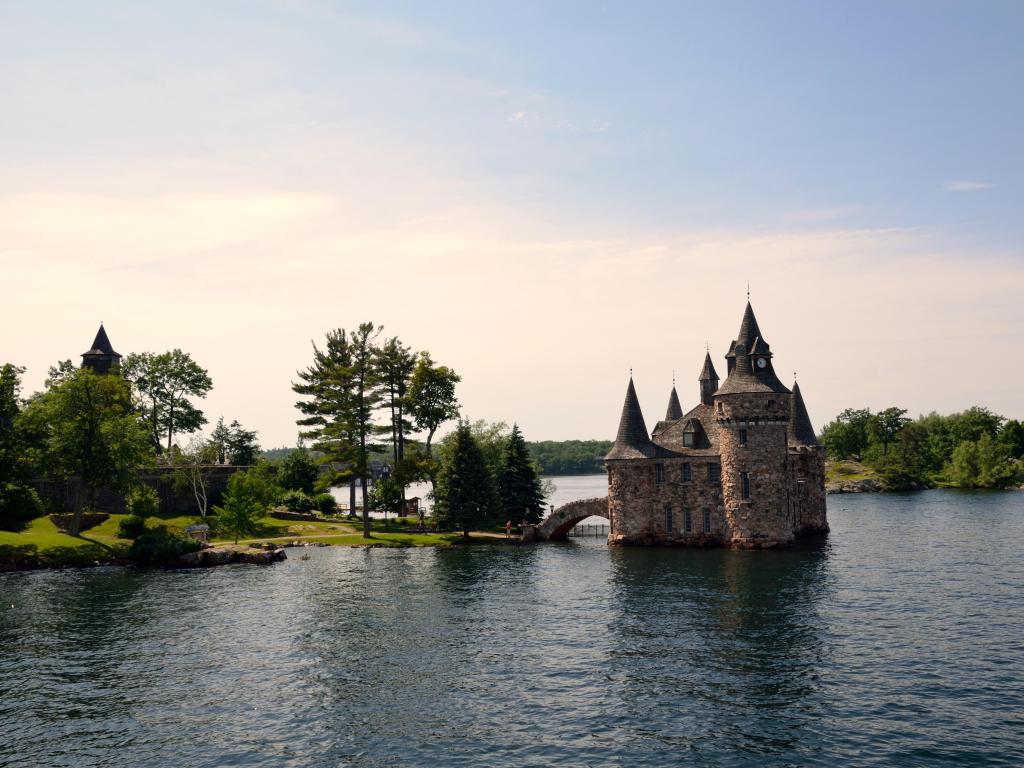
{"points": [[164, 383]]}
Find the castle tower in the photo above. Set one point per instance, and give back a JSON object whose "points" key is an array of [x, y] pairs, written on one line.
{"points": [[675, 410], [807, 460], [752, 411], [632, 441], [101, 357], [708, 380]]}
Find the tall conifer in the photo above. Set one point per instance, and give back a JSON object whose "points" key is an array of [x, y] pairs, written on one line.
{"points": [[466, 495], [518, 483]]}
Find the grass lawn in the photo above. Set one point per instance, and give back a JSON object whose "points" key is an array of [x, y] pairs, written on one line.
{"points": [[848, 470], [41, 543]]}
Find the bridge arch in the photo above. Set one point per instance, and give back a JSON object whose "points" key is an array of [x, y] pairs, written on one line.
{"points": [[556, 526]]}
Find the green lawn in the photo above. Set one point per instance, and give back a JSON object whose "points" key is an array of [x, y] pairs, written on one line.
{"points": [[42, 543], [847, 470]]}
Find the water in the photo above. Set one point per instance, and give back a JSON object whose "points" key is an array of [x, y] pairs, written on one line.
{"points": [[897, 642]]}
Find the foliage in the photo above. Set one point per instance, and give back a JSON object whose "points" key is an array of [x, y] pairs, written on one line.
{"points": [[164, 383], [131, 527], [89, 430], [386, 496], [518, 483], [18, 501], [570, 457], [298, 471], [193, 468], [298, 501], [257, 483], [325, 503], [971, 449], [394, 365], [432, 399], [159, 546], [240, 511], [142, 501], [983, 463], [233, 444], [466, 495]]}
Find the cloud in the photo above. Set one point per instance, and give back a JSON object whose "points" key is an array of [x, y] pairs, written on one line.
{"points": [[965, 186]]}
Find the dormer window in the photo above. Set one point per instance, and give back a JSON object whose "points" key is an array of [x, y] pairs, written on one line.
{"points": [[688, 440]]}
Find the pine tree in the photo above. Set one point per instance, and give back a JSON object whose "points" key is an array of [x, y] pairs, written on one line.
{"points": [[466, 495], [518, 483]]}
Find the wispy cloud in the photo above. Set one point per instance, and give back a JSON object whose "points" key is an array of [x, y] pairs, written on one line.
{"points": [[965, 186]]}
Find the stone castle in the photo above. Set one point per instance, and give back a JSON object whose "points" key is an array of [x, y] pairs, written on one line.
{"points": [[741, 469]]}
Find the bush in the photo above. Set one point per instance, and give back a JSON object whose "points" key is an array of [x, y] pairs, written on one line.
{"points": [[18, 505], [159, 546], [325, 503], [131, 527], [142, 502], [297, 501]]}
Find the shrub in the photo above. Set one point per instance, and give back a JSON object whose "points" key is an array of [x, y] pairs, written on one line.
{"points": [[142, 502], [159, 546], [325, 503], [131, 527], [18, 505], [297, 501]]}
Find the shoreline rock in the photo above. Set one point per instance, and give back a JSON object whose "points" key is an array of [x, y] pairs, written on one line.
{"points": [[866, 485], [210, 557]]}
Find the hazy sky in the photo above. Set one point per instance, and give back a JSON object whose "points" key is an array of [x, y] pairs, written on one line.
{"points": [[542, 194]]}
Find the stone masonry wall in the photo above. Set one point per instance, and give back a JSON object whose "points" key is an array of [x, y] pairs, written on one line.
{"points": [[765, 519], [638, 504], [807, 479]]}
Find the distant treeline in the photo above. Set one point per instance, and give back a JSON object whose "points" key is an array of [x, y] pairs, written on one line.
{"points": [[972, 449], [570, 457]]}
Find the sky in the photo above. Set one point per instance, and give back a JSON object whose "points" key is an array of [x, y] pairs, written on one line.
{"points": [[545, 195]]}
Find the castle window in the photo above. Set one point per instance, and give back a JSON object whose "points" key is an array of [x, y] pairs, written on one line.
{"points": [[771, 404], [659, 473], [668, 519], [745, 482], [688, 439], [687, 476], [707, 520], [743, 437], [714, 473], [687, 522]]}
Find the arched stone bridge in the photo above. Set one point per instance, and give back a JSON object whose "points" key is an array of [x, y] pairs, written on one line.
{"points": [[556, 526]]}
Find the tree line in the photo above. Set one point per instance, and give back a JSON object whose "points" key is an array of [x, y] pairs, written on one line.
{"points": [[975, 448], [570, 457]]}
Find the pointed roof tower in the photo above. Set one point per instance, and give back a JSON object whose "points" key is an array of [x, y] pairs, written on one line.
{"points": [[708, 380], [632, 440], [675, 410], [750, 361], [101, 357], [800, 430]]}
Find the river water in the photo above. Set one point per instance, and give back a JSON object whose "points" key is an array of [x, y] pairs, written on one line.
{"points": [[897, 642]]}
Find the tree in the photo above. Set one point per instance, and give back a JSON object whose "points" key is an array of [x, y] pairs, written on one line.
{"points": [[239, 513], [518, 484], [466, 495], [848, 435], [367, 396], [972, 424], [1011, 435], [194, 467], [386, 496], [18, 502], [983, 463], [241, 446], [395, 365], [431, 396], [885, 425], [164, 384], [91, 432], [328, 385], [298, 471]]}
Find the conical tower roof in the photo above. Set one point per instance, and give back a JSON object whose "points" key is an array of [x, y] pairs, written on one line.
{"points": [[708, 372], [101, 344], [675, 410], [632, 440], [800, 430], [749, 335]]}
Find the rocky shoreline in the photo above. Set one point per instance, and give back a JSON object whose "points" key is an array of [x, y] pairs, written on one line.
{"points": [[225, 554], [864, 485]]}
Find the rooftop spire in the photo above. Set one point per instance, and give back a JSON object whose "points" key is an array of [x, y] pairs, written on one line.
{"points": [[101, 343], [708, 372], [675, 410], [800, 430], [632, 440], [101, 356]]}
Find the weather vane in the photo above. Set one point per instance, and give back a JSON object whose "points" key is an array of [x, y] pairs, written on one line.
{"points": [[748, 290]]}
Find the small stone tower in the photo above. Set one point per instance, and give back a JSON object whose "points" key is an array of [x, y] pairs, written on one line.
{"points": [[752, 411], [708, 380], [101, 357]]}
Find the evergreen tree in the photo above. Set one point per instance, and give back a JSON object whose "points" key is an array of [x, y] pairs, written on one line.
{"points": [[466, 495], [518, 484], [18, 502]]}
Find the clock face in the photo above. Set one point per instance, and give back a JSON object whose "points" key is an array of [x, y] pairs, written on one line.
{"points": [[761, 362]]}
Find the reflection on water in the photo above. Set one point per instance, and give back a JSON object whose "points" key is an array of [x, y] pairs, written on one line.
{"points": [[897, 642]]}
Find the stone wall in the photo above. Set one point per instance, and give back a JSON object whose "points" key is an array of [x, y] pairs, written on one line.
{"points": [[807, 479], [639, 505], [175, 498], [765, 518]]}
